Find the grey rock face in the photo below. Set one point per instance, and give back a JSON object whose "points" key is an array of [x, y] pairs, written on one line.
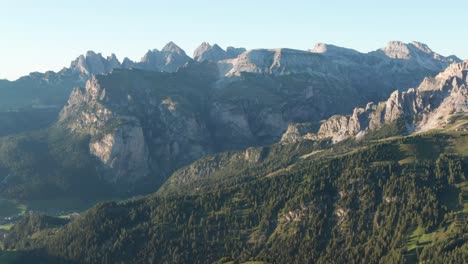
{"points": [[411, 62], [127, 63], [430, 106], [233, 52], [277, 87], [414, 54], [93, 64], [160, 122], [206, 52], [169, 59], [138, 125]]}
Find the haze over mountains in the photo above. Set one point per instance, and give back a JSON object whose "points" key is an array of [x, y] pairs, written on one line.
{"points": [[141, 121], [286, 156]]}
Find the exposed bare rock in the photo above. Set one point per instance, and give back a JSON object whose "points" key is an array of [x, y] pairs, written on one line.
{"points": [[137, 128], [207, 52], [430, 106], [93, 63], [279, 61], [116, 140], [299, 131], [215, 53], [169, 59], [127, 63], [124, 151]]}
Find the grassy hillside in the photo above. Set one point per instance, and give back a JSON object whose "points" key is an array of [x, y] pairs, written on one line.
{"points": [[387, 201], [47, 164]]}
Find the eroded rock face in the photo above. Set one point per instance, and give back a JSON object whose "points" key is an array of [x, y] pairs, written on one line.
{"points": [[93, 63], [207, 52], [137, 128], [430, 106], [116, 140], [124, 152], [299, 131], [150, 123], [169, 59]]}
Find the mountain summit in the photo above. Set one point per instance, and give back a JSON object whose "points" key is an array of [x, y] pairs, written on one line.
{"points": [[435, 104], [215, 53], [94, 63]]}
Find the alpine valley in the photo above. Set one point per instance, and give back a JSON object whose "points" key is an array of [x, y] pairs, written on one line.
{"points": [[238, 156]]}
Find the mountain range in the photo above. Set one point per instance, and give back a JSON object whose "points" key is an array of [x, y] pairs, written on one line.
{"points": [[327, 155], [136, 123]]}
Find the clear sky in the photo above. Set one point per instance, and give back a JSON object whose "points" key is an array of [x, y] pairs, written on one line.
{"points": [[48, 34]]}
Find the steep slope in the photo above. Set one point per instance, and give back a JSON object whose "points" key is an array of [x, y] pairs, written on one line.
{"points": [[262, 91], [433, 105], [365, 205], [34, 101], [169, 59], [215, 53], [93, 64], [143, 124]]}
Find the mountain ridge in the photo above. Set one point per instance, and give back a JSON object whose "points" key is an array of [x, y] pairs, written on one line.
{"points": [[142, 125], [427, 107]]}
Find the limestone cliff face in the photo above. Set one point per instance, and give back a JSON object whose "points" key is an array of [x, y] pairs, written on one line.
{"points": [[138, 127], [145, 122], [269, 89], [124, 152], [279, 61], [169, 59], [430, 106], [411, 62], [94, 63], [207, 52], [116, 140]]}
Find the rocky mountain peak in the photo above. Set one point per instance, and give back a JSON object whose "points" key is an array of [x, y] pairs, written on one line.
{"points": [[149, 55], [112, 62], [332, 50], [430, 106], [171, 47], [169, 59], [422, 47], [397, 50], [454, 70], [207, 52], [94, 63], [211, 53], [127, 63], [203, 47], [414, 50]]}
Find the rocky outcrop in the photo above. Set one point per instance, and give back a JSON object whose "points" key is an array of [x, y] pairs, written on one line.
{"points": [[215, 53], [299, 131], [430, 106], [138, 126], [169, 59], [123, 151], [207, 52], [410, 61], [279, 61], [414, 54], [116, 140], [148, 122], [93, 64]]}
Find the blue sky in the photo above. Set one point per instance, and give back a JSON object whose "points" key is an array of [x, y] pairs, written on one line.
{"points": [[48, 34]]}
